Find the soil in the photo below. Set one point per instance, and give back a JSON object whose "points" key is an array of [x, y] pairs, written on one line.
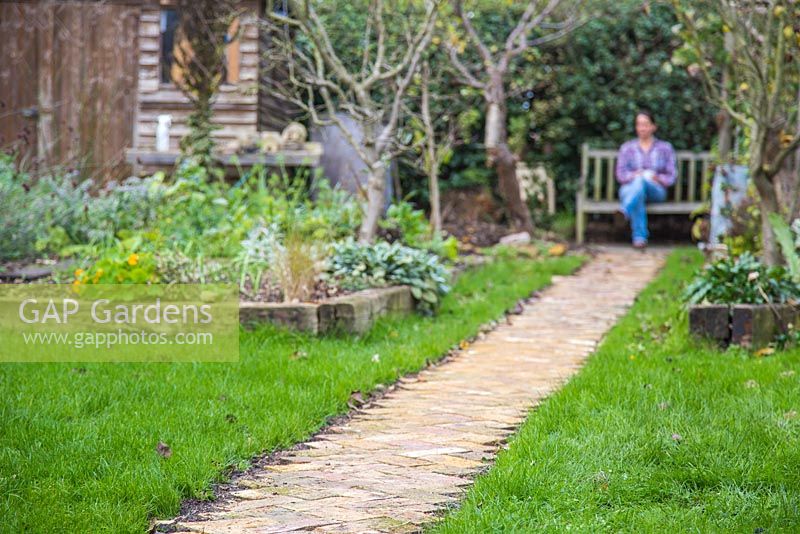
{"points": [[322, 290], [664, 229], [473, 216]]}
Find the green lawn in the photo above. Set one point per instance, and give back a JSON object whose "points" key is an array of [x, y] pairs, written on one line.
{"points": [[656, 434], [78, 442]]}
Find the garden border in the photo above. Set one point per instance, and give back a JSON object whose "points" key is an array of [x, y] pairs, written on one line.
{"points": [[748, 325], [354, 313]]}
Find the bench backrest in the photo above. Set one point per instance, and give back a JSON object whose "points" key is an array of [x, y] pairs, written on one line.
{"points": [[598, 181]]}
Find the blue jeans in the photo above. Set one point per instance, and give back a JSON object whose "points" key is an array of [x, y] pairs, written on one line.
{"points": [[633, 196]]}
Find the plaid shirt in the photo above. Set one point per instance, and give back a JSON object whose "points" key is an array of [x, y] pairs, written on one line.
{"points": [[659, 159]]}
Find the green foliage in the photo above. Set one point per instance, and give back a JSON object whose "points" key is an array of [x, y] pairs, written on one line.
{"points": [[358, 266], [129, 261], [19, 227], [189, 229], [54, 213], [742, 280], [175, 266], [257, 256], [585, 88], [745, 232], [610, 67], [788, 243], [416, 232]]}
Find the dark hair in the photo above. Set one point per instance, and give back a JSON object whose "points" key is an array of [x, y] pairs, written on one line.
{"points": [[647, 113]]}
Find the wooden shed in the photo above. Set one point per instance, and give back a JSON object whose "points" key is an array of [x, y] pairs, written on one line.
{"points": [[82, 84]]}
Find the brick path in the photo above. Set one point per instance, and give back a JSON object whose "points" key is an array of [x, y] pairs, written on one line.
{"points": [[399, 462]]}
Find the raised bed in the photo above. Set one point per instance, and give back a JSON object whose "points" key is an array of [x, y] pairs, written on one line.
{"points": [[355, 313], [748, 325]]}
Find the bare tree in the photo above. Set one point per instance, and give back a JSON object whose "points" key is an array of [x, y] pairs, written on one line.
{"points": [[491, 75], [320, 77], [760, 91], [203, 35], [435, 150]]}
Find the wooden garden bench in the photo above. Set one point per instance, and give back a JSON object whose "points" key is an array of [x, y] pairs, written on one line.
{"points": [[597, 188]]}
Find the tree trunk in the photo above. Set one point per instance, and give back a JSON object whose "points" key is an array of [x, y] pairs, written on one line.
{"points": [[776, 186], [768, 203], [724, 123], [500, 158], [436, 205], [376, 198], [430, 156]]}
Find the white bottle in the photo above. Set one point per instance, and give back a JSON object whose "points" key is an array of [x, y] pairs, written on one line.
{"points": [[162, 133]]}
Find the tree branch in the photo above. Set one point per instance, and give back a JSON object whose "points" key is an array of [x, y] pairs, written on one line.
{"points": [[472, 33], [468, 77]]}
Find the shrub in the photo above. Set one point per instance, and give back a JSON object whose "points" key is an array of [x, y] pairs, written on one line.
{"points": [[743, 280], [416, 232], [357, 266], [257, 256], [19, 228], [55, 212]]}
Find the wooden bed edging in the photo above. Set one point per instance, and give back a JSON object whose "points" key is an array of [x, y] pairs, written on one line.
{"points": [[355, 313], [749, 325]]}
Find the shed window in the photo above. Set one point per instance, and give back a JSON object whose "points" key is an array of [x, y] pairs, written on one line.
{"points": [[169, 25], [167, 68]]}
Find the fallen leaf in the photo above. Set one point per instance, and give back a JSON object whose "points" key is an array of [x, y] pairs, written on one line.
{"points": [[663, 405], [766, 351], [163, 450], [356, 400], [559, 249], [298, 354], [601, 479], [791, 414], [464, 345], [751, 384]]}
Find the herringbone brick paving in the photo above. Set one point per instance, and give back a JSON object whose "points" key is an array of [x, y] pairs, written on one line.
{"points": [[398, 463]]}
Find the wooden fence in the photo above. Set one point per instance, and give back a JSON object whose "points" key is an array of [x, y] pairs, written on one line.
{"points": [[68, 74]]}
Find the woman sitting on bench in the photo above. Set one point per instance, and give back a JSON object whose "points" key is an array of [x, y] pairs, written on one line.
{"points": [[645, 169]]}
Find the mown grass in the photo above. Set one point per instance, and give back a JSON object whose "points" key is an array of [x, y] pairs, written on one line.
{"points": [[656, 434], [78, 442]]}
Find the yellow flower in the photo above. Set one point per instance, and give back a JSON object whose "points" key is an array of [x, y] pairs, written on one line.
{"points": [[78, 273], [133, 259], [76, 282], [744, 86]]}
